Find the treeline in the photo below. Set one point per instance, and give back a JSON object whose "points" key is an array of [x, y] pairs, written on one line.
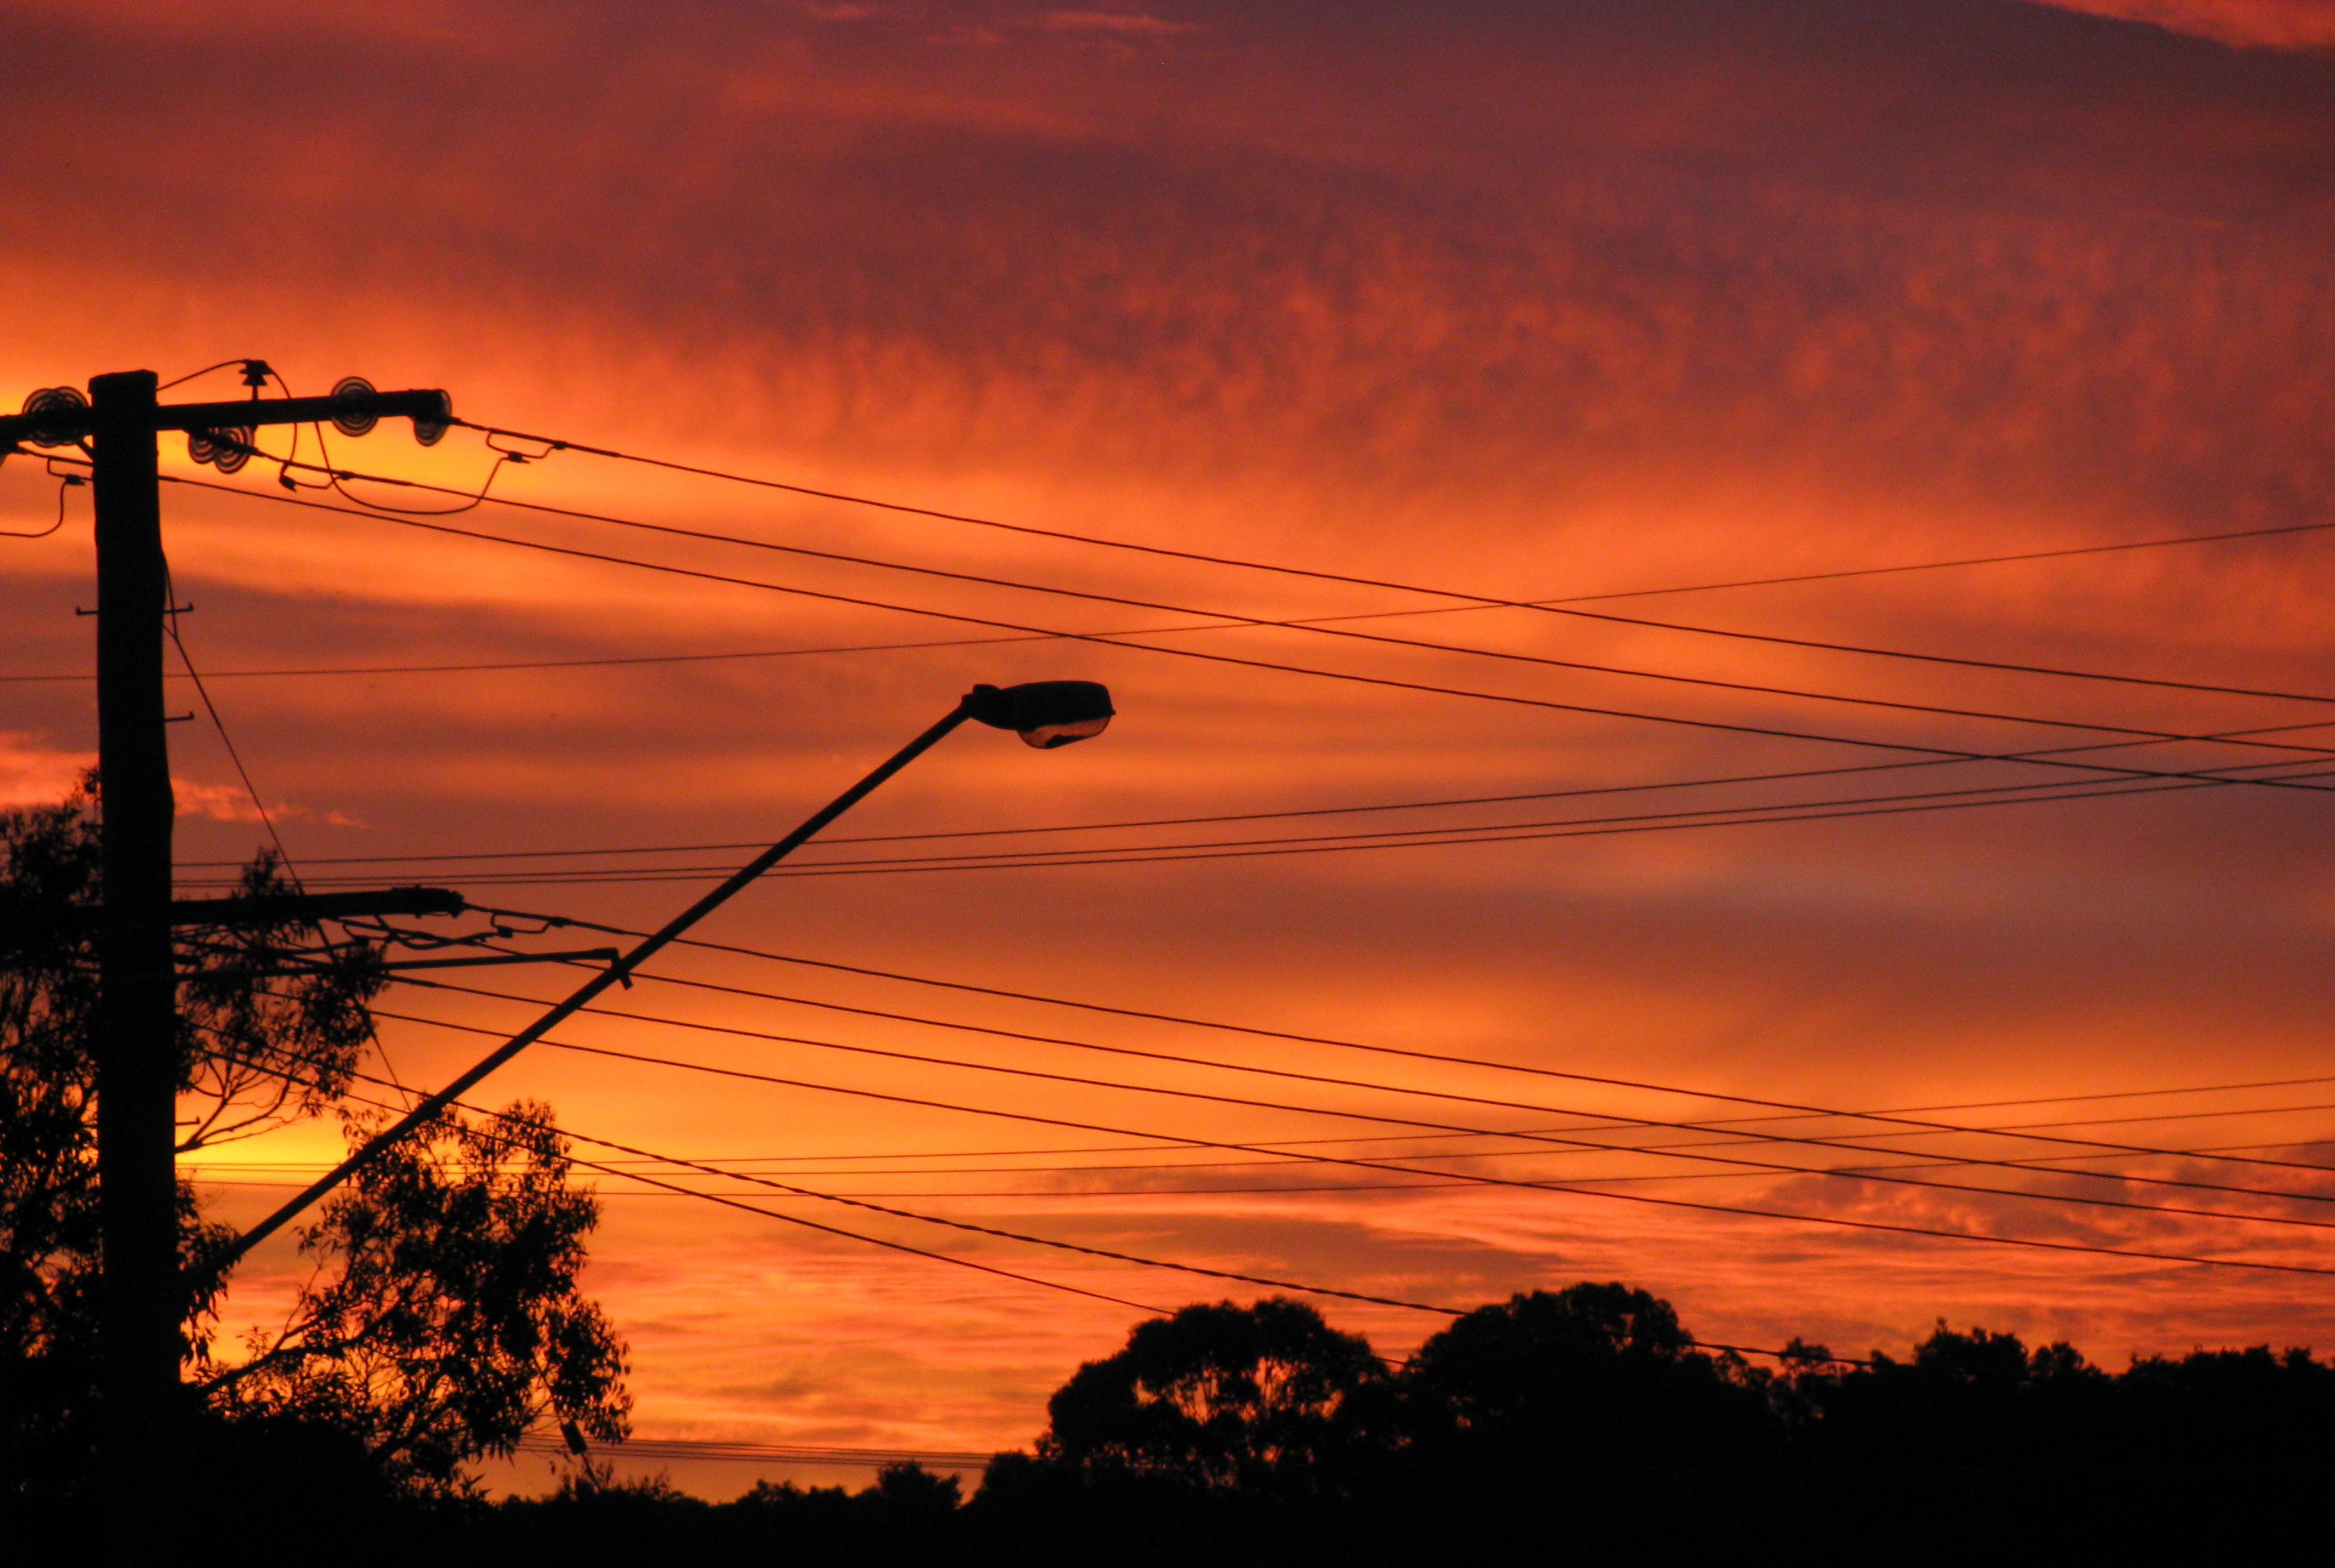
{"points": [[1586, 1421]]}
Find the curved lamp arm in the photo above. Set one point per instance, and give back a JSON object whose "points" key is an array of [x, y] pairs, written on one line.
{"points": [[1045, 713]]}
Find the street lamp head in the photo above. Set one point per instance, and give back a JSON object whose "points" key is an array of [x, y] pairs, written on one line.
{"points": [[1045, 713]]}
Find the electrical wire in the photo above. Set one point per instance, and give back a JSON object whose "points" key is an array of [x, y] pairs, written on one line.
{"points": [[1712, 1123], [1902, 1116], [1109, 641], [1899, 1127], [1105, 857], [733, 1203], [1315, 627], [1882, 1226], [196, 374], [171, 623], [65, 482], [1500, 828], [475, 855], [668, 1162], [337, 478], [782, 1165], [475, 498], [905, 509], [563, 663], [488, 855], [1266, 1281], [1666, 1151]]}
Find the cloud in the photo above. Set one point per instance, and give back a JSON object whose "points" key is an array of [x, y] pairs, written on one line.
{"points": [[1521, 298], [33, 773], [233, 803], [1122, 23], [2269, 24]]}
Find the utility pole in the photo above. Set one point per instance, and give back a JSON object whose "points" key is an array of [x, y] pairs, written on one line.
{"points": [[142, 1299], [138, 1305]]}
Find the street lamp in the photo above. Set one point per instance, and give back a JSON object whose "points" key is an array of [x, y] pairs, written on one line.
{"points": [[1046, 715]]}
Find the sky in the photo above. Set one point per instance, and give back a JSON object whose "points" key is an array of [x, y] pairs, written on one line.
{"points": [[1512, 302]]}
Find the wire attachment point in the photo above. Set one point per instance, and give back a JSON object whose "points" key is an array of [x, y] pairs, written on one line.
{"points": [[226, 450], [63, 404], [431, 428], [355, 406]]}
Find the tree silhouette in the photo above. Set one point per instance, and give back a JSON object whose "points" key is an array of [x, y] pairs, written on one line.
{"points": [[1595, 1374], [1975, 1398], [1266, 1400], [444, 1311], [446, 1320]]}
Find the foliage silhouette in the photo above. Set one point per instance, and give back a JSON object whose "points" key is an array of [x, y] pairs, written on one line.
{"points": [[442, 1316], [451, 1323], [1266, 1400], [1595, 1374]]}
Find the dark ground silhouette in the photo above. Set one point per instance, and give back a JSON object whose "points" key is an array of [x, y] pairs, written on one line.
{"points": [[1580, 1424]]}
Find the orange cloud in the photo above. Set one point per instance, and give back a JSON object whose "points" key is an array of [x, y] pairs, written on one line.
{"points": [[2273, 23]]}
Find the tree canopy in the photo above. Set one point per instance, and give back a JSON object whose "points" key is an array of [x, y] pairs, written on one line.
{"points": [[442, 1316], [1261, 1399]]}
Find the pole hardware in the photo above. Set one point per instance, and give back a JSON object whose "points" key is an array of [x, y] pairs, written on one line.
{"points": [[290, 909], [62, 416], [285, 910]]}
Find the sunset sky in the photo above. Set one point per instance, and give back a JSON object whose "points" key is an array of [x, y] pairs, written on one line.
{"points": [[1521, 302]]}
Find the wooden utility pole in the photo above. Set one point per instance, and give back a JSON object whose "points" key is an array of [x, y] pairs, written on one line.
{"points": [[140, 1305], [142, 1299]]}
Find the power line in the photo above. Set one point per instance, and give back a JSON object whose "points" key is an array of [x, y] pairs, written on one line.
{"points": [[771, 1214], [1324, 624], [1110, 640], [65, 483], [1266, 1281], [1665, 1202], [1105, 857], [1616, 1119], [565, 663], [1473, 601], [1638, 789], [1107, 1253], [738, 1162], [1412, 838], [1899, 1114], [1672, 1151], [1489, 829], [664, 1160], [1476, 600], [1318, 627], [170, 624], [1470, 601], [1428, 1183], [201, 1171]]}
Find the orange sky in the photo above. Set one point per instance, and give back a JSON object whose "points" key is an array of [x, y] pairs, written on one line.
{"points": [[1526, 300]]}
